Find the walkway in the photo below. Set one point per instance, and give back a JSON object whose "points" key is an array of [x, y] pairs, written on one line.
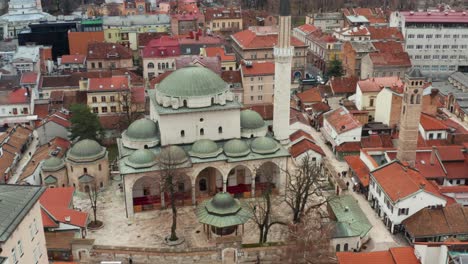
{"points": [[25, 159], [380, 237]]}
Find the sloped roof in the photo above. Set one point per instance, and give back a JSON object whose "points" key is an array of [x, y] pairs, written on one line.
{"points": [[359, 168], [249, 39], [300, 134], [221, 52], [385, 33], [307, 28], [29, 78], [73, 59], [309, 96], [113, 83], [348, 213], [341, 120], [431, 123], [343, 84], [400, 255], [259, 68], [57, 202], [376, 84], [303, 146], [103, 50], [391, 59]]}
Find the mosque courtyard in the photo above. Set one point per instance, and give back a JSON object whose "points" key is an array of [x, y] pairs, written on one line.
{"points": [[149, 228]]}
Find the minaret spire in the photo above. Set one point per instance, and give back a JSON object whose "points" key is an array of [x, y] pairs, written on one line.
{"points": [[283, 53]]}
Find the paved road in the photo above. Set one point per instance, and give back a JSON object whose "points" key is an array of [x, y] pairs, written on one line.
{"points": [[24, 160], [380, 237]]}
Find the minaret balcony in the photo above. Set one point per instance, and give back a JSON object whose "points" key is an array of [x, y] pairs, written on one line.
{"points": [[283, 52]]}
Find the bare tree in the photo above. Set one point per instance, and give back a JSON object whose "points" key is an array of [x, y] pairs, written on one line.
{"points": [[311, 240], [303, 188], [93, 195], [171, 177], [130, 109], [262, 207]]}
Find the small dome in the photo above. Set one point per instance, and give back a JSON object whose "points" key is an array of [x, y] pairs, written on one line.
{"points": [[141, 158], [251, 120], [222, 204], [264, 145], [205, 148], [236, 148], [86, 149], [173, 155], [142, 129], [192, 81], [52, 164]]}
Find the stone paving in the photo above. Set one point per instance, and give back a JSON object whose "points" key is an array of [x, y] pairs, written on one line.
{"points": [[148, 229]]}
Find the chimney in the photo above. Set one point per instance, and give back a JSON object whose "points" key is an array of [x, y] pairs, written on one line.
{"points": [[433, 155]]}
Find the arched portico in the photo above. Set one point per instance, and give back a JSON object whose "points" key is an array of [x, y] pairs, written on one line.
{"points": [[267, 173], [240, 181], [207, 183], [146, 194]]}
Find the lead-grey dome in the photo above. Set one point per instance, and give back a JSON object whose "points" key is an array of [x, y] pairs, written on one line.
{"points": [[251, 120], [141, 158], [172, 155], [205, 148], [52, 164], [142, 129], [86, 150], [192, 81], [236, 148], [264, 145]]}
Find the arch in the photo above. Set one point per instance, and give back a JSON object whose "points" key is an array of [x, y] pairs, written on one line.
{"points": [[150, 65], [345, 248], [212, 100], [412, 99], [202, 131], [418, 99], [239, 181], [211, 178], [220, 130], [337, 247], [159, 66], [267, 175], [167, 65], [185, 103], [146, 193]]}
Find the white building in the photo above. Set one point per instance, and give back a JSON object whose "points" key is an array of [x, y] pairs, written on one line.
{"points": [[17, 106], [437, 42], [396, 192], [27, 59], [22, 238], [340, 126], [358, 34]]}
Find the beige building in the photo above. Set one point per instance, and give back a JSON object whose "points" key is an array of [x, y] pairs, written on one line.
{"points": [[107, 95], [258, 80], [106, 56], [22, 239], [223, 19]]}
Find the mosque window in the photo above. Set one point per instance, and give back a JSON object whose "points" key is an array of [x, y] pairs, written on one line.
{"points": [[220, 130], [202, 185], [202, 131], [182, 133]]}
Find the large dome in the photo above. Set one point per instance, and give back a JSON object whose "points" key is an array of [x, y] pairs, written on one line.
{"points": [[205, 148], [141, 158], [264, 145], [142, 129], [53, 164], [251, 120], [172, 155], [236, 148], [192, 81], [86, 149], [223, 204]]}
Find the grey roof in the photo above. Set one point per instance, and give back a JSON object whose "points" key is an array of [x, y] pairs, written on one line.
{"points": [[414, 73], [351, 220], [362, 46], [136, 20], [285, 8], [223, 211], [461, 77], [357, 19], [15, 202], [2, 260], [85, 178]]}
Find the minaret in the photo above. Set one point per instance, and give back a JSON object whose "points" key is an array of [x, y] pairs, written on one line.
{"points": [[410, 115], [283, 53]]}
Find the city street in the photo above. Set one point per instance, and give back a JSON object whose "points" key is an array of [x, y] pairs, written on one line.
{"points": [[24, 160]]}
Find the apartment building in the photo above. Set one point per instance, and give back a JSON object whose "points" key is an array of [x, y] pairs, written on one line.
{"points": [[258, 80]]}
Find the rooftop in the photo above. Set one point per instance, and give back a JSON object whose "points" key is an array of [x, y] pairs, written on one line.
{"points": [[114, 83], [342, 120], [307, 28], [57, 203], [359, 168], [261, 38], [309, 96], [343, 84], [221, 52], [376, 84], [258, 68], [351, 220], [15, 203], [431, 123], [402, 255], [103, 50], [450, 16], [73, 59], [304, 145]]}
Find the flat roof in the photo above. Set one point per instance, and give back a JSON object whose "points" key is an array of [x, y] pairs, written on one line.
{"points": [[435, 17]]}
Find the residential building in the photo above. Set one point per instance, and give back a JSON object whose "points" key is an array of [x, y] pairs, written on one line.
{"points": [[397, 192], [358, 34], [159, 56], [398, 255], [61, 222], [256, 44], [327, 22], [351, 224], [27, 59], [110, 95], [303, 31], [258, 81], [72, 63], [16, 106], [258, 18], [184, 23], [365, 16], [106, 56], [431, 128], [435, 40], [223, 19], [455, 93], [22, 237], [302, 146], [234, 80], [55, 125], [228, 61], [437, 224], [381, 64], [90, 30], [13, 144], [368, 90], [195, 42], [353, 52], [385, 34], [124, 30], [135, 7], [340, 126], [212, 63], [343, 86], [304, 100], [323, 48]]}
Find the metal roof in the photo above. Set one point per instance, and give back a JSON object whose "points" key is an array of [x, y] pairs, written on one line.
{"points": [[223, 211], [351, 220], [15, 203]]}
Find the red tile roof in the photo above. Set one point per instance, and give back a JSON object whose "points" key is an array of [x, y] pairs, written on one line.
{"points": [[158, 79], [320, 107], [343, 84], [431, 123], [307, 28], [114, 83], [56, 96], [385, 33], [212, 63], [399, 182], [145, 37], [378, 83], [297, 116], [265, 110], [300, 134], [391, 59], [249, 39], [423, 164], [377, 141], [58, 119], [57, 202], [259, 68], [16, 96], [349, 147], [310, 96], [341, 120], [400, 255], [303, 146], [165, 46], [359, 168], [73, 59], [388, 46], [231, 76], [219, 51], [29, 78], [105, 51], [222, 13], [451, 153]]}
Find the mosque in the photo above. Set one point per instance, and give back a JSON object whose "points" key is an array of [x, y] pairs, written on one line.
{"points": [[197, 125]]}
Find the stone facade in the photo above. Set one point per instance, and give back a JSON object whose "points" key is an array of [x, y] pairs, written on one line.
{"points": [[99, 169]]}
